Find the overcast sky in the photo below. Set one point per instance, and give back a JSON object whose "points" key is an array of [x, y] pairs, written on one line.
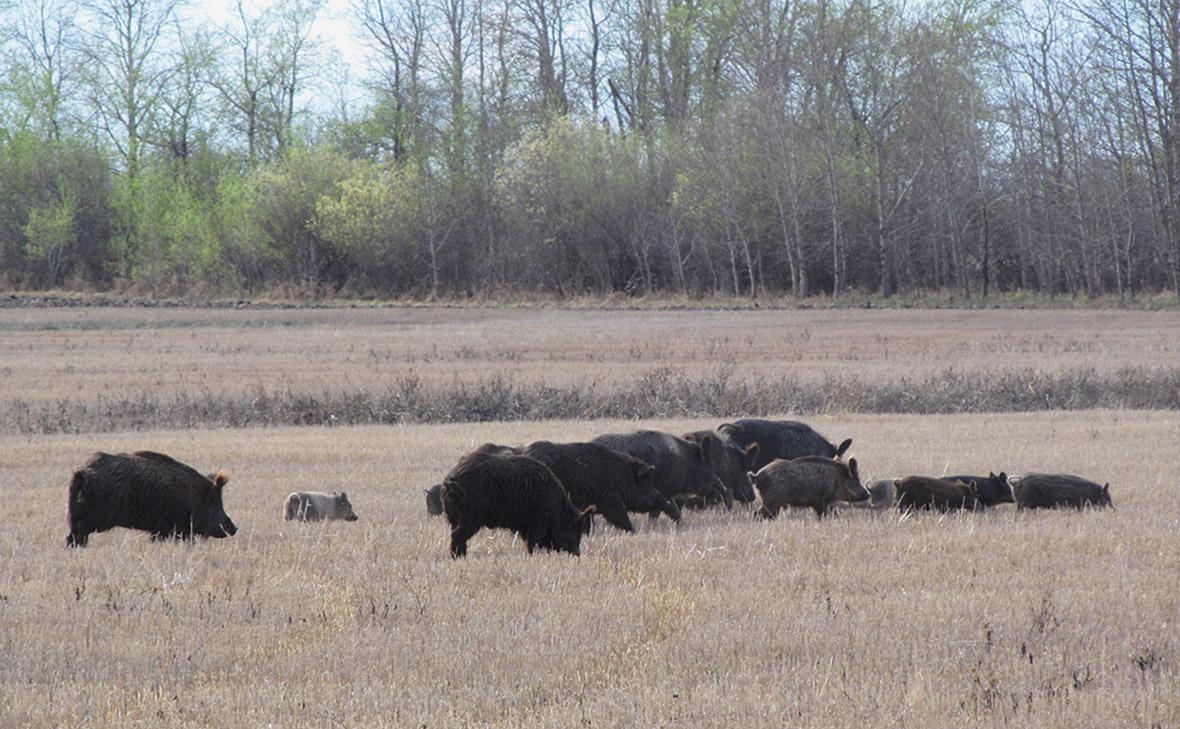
{"points": [[335, 27]]}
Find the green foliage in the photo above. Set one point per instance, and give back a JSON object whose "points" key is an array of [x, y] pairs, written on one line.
{"points": [[285, 196], [55, 214], [249, 253], [570, 194], [51, 234], [378, 221], [174, 241]]}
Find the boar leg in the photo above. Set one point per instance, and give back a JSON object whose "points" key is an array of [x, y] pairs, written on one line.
{"points": [[615, 514], [459, 537]]}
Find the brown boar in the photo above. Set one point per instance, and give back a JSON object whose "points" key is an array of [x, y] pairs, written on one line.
{"points": [[811, 481], [940, 494], [990, 490]]}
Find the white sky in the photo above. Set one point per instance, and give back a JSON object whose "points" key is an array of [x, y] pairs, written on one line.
{"points": [[335, 27]]}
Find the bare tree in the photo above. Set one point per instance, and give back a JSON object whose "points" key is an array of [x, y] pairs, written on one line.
{"points": [[181, 96], [292, 54], [245, 78], [45, 41], [397, 31], [125, 52]]}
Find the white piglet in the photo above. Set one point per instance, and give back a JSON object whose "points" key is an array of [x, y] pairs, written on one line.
{"points": [[317, 506]]}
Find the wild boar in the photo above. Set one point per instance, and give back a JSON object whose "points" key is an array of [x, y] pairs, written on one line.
{"points": [[147, 491], [317, 506], [785, 439], [682, 467], [612, 482], [881, 494], [728, 461], [811, 481], [511, 492], [990, 490], [923, 492], [1051, 490], [434, 502]]}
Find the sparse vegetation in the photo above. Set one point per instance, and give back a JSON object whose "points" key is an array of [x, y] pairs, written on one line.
{"points": [[1056, 619], [660, 393]]}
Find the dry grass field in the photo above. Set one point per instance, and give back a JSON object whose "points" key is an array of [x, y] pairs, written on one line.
{"points": [[125, 353], [1057, 619], [998, 619]]}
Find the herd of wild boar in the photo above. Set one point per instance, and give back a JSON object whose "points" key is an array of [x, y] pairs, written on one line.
{"points": [[548, 493]]}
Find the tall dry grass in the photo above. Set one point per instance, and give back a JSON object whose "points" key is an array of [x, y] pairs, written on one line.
{"points": [[1059, 619]]}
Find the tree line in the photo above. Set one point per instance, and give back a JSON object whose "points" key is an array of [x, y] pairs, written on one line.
{"points": [[570, 147]]}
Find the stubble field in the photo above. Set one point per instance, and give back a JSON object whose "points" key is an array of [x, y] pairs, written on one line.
{"points": [[998, 619]]}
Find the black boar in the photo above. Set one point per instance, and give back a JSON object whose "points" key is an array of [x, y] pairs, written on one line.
{"points": [[682, 468], [147, 491], [434, 501], [1051, 490], [317, 506], [990, 490], [811, 481], [729, 462], [923, 492], [511, 492], [434, 494], [785, 439], [612, 482]]}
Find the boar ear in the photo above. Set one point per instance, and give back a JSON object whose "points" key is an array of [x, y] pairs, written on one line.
{"points": [[852, 468], [343, 496], [737, 432], [1003, 477], [843, 447], [1106, 489], [220, 479]]}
